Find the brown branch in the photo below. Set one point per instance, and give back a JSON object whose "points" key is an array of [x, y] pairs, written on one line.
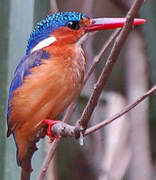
{"points": [[63, 130], [83, 122], [121, 113], [48, 158]]}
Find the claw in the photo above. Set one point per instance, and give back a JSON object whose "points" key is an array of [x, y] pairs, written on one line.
{"points": [[50, 124]]}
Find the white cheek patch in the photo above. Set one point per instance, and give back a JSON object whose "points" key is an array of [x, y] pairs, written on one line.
{"points": [[46, 42]]}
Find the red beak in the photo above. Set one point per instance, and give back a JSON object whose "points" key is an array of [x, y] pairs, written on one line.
{"points": [[110, 23]]}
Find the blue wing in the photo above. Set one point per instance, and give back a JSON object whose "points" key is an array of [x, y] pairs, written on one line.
{"points": [[23, 69]]}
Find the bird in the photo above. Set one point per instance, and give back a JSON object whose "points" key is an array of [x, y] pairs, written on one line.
{"points": [[50, 74]]}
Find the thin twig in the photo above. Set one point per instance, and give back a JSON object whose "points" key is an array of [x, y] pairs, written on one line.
{"points": [[48, 158], [62, 129], [99, 55], [83, 122], [119, 114], [70, 111]]}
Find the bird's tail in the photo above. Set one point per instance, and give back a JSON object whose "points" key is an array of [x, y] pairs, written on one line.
{"points": [[26, 146], [25, 175]]}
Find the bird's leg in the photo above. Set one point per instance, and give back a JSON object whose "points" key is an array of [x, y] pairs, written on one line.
{"points": [[50, 124]]}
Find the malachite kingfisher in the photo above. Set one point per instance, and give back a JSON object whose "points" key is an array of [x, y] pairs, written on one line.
{"points": [[50, 75]]}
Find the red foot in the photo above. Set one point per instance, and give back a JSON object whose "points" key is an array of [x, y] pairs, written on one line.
{"points": [[50, 124]]}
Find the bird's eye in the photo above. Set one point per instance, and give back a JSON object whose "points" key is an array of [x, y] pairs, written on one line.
{"points": [[74, 25]]}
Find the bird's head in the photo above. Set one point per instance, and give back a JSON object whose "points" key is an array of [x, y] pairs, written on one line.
{"points": [[69, 28]]}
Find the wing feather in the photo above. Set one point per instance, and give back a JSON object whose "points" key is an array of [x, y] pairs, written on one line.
{"points": [[22, 70]]}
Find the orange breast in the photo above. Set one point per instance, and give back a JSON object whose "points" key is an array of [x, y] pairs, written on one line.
{"points": [[46, 92]]}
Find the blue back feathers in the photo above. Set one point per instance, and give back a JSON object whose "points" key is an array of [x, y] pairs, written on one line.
{"points": [[44, 28]]}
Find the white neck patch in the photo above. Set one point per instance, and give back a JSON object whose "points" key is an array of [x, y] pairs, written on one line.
{"points": [[46, 42]]}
